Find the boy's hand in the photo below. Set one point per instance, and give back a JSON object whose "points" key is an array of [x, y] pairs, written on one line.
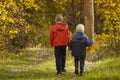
{"points": [[69, 48]]}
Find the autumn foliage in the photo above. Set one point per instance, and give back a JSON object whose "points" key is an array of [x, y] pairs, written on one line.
{"points": [[26, 23]]}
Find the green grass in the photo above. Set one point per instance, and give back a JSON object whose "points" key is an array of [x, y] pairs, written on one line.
{"points": [[21, 68], [107, 69]]}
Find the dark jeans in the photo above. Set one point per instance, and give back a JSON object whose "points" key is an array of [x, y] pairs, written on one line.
{"points": [[82, 62], [60, 57]]}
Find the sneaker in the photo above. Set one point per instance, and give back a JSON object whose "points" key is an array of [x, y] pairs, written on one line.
{"points": [[63, 71], [76, 71], [59, 73]]}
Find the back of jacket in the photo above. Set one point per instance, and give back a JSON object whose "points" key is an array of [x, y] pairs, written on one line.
{"points": [[79, 43], [59, 35]]}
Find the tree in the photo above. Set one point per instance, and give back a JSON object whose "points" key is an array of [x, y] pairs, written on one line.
{"points": [[71, 16], [82, 11], [87, 16], [14, 27], [108, 23]]}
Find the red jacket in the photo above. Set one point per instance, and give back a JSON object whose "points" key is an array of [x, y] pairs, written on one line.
{"points": [[59, 35]]}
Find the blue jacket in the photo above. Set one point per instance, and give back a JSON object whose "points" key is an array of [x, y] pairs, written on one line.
{"points": [[79, 43]]}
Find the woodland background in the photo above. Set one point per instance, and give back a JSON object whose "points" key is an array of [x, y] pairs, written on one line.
{"points": [[27, 23], [25, 51]]}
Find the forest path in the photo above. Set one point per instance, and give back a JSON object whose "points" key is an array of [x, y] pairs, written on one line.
{"points": [[41, 55], [40, 62]]}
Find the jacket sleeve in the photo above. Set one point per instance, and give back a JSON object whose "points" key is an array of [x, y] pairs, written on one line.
{"points": [[51, 36], [88, 42]]}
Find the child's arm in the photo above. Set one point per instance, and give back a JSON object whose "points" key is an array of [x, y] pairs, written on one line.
{"points": [[88, 42]]}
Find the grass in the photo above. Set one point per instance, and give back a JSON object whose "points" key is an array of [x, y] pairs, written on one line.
{"points": [[21, 67], [107, 69]]}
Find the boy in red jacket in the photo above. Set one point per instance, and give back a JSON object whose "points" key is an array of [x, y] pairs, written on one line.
{"points": [[60, 38]]}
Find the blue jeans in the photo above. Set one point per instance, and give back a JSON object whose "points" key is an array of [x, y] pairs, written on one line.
{"points": [[60, 57], [82, 62]]}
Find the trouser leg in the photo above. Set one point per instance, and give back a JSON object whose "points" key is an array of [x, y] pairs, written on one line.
{"points": [[63, 56], [58, 58], [76, 60], [82, 63]]}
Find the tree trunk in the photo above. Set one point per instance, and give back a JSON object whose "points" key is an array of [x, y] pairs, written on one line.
{"points": [[51, 8], [88, 13], [82, 11], [71, 17]]}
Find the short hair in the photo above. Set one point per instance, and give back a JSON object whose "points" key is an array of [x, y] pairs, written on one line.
{"points": [[59, 17], [80, 28]]}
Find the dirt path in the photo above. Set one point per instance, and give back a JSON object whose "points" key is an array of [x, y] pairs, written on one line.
{"points": [[40, 55], [37, 56]]}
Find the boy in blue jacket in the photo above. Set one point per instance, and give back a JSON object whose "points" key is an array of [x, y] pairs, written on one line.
{"points": [[78, 45]]}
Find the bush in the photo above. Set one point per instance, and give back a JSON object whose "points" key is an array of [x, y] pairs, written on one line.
{"points": [[105, 46]]}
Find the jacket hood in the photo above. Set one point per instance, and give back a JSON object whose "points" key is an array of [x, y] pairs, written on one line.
{"points": [[60, 27], [79, 35]]}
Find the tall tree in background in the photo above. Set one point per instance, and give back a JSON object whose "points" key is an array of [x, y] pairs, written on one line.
{"points": [[82, 11], [87, 16], [71, 17], [51, 8]]}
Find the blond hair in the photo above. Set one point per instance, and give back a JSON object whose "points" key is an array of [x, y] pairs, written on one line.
{"points": [[80, 28], [59, 18]]}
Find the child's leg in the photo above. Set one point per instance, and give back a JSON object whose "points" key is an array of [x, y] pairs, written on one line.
{"points": [[76, 60], [63, 54], [58, 59], [82, 62]]}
